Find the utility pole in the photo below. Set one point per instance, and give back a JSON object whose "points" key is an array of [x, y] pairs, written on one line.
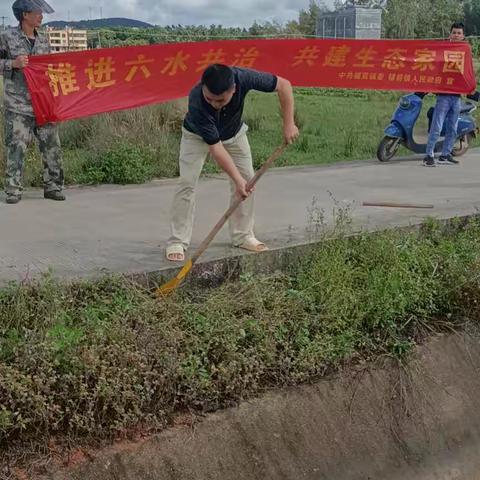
{"points": [[3, 22]]}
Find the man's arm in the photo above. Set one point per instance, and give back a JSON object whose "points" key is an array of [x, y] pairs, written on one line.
{"points": [[204, 126], [267, 82], [224, 160], [290, 133], [5, 62], [287, 105]]}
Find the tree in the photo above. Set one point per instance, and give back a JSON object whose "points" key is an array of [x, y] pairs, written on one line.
{"points": [[307, 19], [438, 16], [266, 28], [421, 18], [400, 19], [472, 17]]}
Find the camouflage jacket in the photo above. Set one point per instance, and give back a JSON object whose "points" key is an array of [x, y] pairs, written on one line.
{"points": [[13, 42]]}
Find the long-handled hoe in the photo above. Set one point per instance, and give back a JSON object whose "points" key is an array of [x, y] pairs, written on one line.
{"points": [[171, 285]]}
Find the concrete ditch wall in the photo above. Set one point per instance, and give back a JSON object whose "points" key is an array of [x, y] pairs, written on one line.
{"points": [[421, 422], [214, 271]]}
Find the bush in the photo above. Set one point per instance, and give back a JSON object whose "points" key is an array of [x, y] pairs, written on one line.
{"points": [[136, 144], [121, 164], [98, 359], [475, 44]]}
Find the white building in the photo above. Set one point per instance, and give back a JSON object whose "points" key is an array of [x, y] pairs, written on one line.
{"points": [[67, 39]]}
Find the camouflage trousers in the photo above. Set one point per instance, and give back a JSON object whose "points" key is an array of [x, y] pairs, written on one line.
{"points": [[19, 133]]}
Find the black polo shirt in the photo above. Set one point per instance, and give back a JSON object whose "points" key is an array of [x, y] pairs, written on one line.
{"points": [[219, 125]]}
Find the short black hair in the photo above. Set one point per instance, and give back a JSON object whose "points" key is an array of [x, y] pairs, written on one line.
{"points": [[458, 25], [218, 78]]}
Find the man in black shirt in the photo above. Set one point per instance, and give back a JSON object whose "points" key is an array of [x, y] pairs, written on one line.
{"points": [[214, 125]]}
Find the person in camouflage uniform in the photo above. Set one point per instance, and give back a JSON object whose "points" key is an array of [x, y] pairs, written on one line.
{"points": [[16, 45]]}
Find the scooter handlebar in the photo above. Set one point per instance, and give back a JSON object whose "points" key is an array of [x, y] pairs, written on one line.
{"points": [[475, 96], [421, 94]]}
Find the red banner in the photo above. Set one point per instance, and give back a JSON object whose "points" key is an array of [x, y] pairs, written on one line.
{"points": [[65, 86]]}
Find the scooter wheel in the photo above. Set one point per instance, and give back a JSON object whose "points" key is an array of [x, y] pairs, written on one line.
{"points": [[388, 148], [462, 145]]}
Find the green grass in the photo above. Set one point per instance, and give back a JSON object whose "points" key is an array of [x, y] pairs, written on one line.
{"points": [[91, 361], [137, 145], [335, 125]]}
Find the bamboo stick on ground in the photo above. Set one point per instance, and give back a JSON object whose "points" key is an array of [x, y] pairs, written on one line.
{"points": [[397, 205]]}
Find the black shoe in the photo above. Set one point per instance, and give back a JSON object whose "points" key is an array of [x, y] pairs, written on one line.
{"points": [[54, 195], [12, 198], [447, 160], [429, 161]]}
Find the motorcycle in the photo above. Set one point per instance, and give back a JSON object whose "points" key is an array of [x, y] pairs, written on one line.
{"points": [[400, 130]]}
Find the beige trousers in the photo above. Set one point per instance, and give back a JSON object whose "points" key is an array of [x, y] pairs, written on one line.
{"points": [[193, 153]]}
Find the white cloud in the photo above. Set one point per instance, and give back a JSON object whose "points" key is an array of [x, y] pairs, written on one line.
{"points": [[240, 13]]}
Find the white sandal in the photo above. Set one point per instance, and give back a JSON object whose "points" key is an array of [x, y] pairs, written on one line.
{"points": [[175, 249], [253, 245]]}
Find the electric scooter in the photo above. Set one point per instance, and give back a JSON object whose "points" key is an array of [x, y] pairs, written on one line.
{"points": [[400, 130]]}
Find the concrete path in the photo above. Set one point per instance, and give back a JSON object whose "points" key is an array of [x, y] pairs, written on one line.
{"points": [[123, 229]]}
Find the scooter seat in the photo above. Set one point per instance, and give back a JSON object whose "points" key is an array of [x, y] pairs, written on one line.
{"points": [[466, 107]]}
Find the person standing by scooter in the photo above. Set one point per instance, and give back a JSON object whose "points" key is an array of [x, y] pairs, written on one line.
{"points": [[447, 110]]}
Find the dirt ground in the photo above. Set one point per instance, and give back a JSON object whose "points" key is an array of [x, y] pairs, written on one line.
{"points": [[419, 422]]}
